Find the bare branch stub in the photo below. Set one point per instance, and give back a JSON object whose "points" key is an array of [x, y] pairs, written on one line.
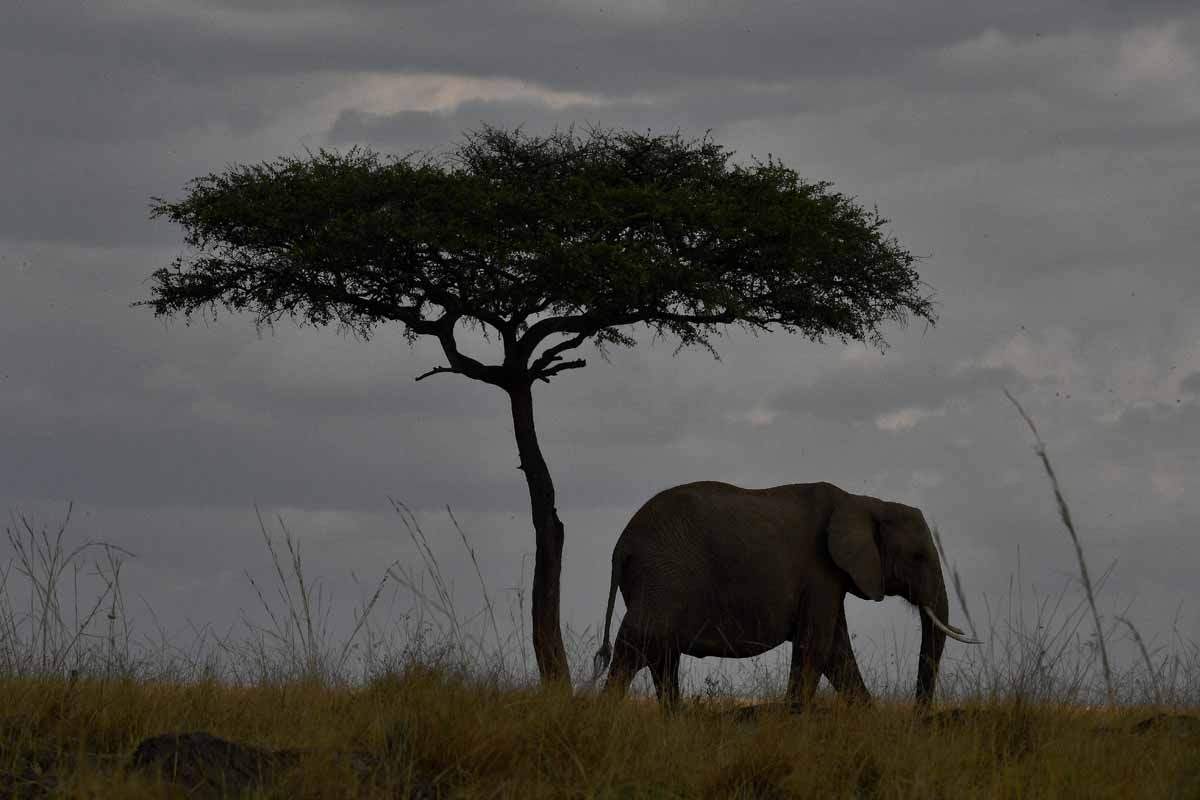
{"points": [[436, 371], [554, 353], [545, 374]]}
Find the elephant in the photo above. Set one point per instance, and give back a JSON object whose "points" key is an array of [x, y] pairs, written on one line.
{"points": [[712, 569]]}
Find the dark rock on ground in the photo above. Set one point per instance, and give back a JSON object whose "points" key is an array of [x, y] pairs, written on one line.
{"points": [[209, 766], [752, 713], [206, 763]]}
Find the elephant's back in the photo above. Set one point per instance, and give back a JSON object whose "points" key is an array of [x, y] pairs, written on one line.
{"points": [[666, 522], [715, 559], [709, 525], [693, 509], [676, 512]]}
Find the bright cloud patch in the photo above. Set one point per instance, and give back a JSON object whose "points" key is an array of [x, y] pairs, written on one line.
{"points": [[759, 418], [1049, 355], [1170, 482], [1154, 55], [756, 418], [905, 418], [860, 355], [387, 93]]}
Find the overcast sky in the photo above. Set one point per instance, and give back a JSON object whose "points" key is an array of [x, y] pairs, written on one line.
{"points": [[1042, 157]]}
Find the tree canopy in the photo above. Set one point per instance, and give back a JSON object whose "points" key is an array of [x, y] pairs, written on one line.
{"points": [[537, 236]]}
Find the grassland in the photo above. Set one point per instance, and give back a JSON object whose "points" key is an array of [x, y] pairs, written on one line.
{"points": [[428, 733], [1023, 718]]}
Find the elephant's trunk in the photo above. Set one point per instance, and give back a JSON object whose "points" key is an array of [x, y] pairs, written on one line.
{"points": [[933, 640]]}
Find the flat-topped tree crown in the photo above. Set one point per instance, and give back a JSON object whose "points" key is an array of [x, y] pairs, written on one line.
{"points": [[535, 236], [555, 241]]}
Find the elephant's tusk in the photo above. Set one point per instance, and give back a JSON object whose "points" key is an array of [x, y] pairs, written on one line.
{"points": [[953, 633]]}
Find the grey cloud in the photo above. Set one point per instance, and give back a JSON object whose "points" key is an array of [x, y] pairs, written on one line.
{"points": [[1191, 384], [693, 109], [560, 45], [117, 119], [436, 131], [556, 45], [106, 405], [1145, 432], [620, 414], [191, 462], [859, 394], [421, 130]]}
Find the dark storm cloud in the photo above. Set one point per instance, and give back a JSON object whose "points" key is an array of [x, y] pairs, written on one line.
{"points": [[616, 46], [949, 106], [133, 102]]}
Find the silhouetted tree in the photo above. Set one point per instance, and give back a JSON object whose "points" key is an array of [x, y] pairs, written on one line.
{"points": [[550, 242]]}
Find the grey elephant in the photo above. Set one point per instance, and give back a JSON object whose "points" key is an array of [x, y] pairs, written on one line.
{"points": [[712, 569]]}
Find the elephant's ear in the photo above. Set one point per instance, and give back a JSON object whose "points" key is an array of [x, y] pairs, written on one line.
{"points": [[853, 547]]}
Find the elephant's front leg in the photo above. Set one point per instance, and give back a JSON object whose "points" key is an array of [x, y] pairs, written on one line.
{"points": [[842, 669], [812, 646]]}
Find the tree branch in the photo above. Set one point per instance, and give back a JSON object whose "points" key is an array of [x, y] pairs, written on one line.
{"points": [[409, 315], [464, 364], [435, 371], [544, 375], [724, 318], [454, 304], [591, 324], [553, 354], [587, 324]]}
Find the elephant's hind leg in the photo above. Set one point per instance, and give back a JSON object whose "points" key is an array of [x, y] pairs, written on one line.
{"points": [[665, 671], [629, 656]]}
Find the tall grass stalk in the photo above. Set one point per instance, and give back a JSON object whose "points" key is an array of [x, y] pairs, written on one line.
{"points": [[453, 628], [1065, 513], [1151, 672], [49, 639], [301, 636], [487, 599]]}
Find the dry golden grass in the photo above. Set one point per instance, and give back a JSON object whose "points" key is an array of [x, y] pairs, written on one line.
{"points": [[454, 737]]}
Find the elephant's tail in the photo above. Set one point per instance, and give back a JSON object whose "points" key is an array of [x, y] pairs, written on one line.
{"points": [[604, 654]]}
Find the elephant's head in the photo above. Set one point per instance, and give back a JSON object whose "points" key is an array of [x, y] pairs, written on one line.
{"points": [[887, 549]]}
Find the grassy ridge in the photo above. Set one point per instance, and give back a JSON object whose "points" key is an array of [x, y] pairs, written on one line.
{"points": [[441, 732]]}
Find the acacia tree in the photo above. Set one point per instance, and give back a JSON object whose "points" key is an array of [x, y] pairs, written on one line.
{"points": [[549, 242]]}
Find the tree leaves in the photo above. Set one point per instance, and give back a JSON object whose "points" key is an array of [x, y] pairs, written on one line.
{"points": [[535, 236]]}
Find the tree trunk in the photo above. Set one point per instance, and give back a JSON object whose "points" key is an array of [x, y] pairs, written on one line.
{"points": [[548, 532]]}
